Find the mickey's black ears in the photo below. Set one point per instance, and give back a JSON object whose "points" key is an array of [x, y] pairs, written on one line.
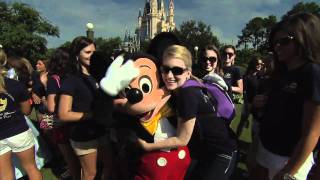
{"points": [[99, 65], [161, 42]]}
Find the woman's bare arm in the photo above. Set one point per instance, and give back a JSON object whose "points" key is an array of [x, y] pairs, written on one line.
{"points": [[65, 112], [184, 132]]}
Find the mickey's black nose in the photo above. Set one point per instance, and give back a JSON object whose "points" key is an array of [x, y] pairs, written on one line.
{"points": [[134, 95]]}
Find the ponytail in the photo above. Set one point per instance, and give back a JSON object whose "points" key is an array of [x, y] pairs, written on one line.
{"points": [[3, 70], [3, 73]]}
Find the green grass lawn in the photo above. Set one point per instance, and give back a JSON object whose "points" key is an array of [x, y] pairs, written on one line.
{"points": [[246, 132], [48, 174], [245, 137]]}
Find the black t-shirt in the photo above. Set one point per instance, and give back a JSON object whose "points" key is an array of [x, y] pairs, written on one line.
{"points": [[39, 90], [82, 88], [53, 87], [12, 121], [37, 86], [282, 123], [251, 85], [254, 85], [231, 75], [211, 133]]}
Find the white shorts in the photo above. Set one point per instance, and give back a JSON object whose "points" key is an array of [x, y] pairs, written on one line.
{"points": [[17, 143], [274, 163], [84, 147]]}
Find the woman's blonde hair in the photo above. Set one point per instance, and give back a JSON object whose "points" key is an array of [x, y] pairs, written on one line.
{"points": [[3, 70], [3, 58], [179, 52]]}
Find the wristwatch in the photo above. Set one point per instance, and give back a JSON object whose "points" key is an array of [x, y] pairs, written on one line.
{"points": [[288, 176]]}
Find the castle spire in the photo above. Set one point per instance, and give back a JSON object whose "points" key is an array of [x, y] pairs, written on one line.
{"points": [[171, 16], [154, 6], [139, 19], [162, 6], [171, 7]]}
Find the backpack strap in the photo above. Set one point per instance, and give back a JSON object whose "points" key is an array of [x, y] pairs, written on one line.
{"points": [[57, 79], [193, 83], [204, 91]]}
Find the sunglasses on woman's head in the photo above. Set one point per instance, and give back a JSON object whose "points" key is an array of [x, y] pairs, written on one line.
{"points": [[211, 59], [174, 70], [282, 41]]}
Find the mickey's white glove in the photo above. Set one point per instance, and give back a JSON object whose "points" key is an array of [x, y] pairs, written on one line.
{"points": [[215, 78], [118, 76]]}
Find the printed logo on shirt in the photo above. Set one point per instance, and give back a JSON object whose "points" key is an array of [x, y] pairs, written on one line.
{"points": [[3, 104], [291, 87], [6, 106], [227, 75]]}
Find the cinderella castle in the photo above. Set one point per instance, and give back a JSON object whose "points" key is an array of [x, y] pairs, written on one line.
{"points": [[153, 20]]}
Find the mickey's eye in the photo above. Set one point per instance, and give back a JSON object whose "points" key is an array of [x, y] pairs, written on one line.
{"points": [[145, 84]]}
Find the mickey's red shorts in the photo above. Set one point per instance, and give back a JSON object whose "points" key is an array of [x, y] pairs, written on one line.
{"points": [[160, 165]]}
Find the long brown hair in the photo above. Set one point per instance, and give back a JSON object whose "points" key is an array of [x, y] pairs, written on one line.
{"points": [[305, 29], [23, 69]]}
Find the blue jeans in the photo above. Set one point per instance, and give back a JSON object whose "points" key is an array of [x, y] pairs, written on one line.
{"points": [[217, 167]]}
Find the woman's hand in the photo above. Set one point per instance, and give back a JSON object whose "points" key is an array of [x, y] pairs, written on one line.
{"points": [[280, 175], [35, 98]]}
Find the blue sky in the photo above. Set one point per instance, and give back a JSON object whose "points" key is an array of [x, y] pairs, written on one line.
{"points": [[111, 17]]}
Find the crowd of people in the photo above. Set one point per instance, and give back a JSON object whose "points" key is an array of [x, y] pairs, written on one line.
{"points": [[76, 118]]}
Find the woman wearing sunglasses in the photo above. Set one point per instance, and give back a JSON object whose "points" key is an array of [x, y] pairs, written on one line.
{"points": [[210, 140], [290, 125], [210, 66], [210, 60], [231, 74]]}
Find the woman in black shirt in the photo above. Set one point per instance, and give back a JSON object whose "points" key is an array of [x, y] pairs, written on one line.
{"points": [[289, 128], [57, 70], [231, 73], [15, 135], [75, 106]]}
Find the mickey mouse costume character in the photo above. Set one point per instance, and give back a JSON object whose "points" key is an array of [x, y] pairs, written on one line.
{"points": [[151, 116]]}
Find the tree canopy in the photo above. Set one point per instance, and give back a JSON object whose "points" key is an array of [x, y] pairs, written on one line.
{"points": [[108, 45], [193, 33], [254, 36], [310, 7], [22, 31]]}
